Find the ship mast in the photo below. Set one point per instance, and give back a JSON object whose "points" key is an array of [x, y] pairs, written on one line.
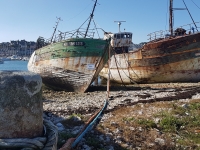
{"points": [[171, 17], [59, 19], [91, 16], [119, 23]]}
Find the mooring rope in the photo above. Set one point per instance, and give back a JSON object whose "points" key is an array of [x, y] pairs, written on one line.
{"points": [[119, 72], [48, 142], [129, 66]]}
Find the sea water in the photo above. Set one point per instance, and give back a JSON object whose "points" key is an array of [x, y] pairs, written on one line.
{"points": [[14, 65]]}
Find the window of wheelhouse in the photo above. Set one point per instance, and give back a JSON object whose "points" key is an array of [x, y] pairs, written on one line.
{"points": [[122, 35], [129, 36], [118, 36]]}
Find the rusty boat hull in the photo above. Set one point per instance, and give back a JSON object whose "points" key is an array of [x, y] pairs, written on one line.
{"points": [[174, 59], [71, 64]]}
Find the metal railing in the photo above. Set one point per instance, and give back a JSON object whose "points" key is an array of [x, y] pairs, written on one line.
{"points": [[79, 33], [164, 34]]}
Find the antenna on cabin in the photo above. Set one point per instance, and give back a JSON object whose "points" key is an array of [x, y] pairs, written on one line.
{"points": [[119, 23]]}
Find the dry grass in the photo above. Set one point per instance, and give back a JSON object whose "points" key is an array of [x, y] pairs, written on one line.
{"points": [[177, 123]]}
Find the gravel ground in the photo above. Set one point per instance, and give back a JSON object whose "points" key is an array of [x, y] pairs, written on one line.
{"points": [[60, 106]]}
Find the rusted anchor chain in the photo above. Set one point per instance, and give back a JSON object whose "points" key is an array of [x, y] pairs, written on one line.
{"points": [[72, 142]]}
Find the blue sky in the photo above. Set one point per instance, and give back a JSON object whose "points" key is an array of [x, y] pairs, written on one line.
{"points": [[29, 19]]}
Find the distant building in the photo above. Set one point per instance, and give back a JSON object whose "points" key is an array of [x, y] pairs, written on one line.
{"points": [[20, 48]]}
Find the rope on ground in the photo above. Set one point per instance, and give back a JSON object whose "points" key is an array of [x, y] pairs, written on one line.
{"points": [[72, 142], [48, 142]]}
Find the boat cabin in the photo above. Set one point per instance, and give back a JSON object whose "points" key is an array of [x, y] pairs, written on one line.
{"points": [[120, 41]]}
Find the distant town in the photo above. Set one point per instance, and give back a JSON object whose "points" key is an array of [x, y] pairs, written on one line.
{"points": [[21, 48]]}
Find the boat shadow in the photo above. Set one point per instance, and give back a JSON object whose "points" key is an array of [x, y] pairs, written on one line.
{"points": [[116, 87]]}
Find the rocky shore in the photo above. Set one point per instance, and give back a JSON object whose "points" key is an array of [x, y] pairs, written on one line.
{"points": [[69, 111]]}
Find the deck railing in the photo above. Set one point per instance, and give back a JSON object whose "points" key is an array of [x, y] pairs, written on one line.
{"points": [[79, 33], [164, 34]]}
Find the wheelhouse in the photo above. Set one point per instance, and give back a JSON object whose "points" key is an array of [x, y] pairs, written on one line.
{"points": [[121, 42]]}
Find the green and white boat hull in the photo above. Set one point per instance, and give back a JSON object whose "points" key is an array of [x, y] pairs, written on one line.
{"points": [[71, 64]]}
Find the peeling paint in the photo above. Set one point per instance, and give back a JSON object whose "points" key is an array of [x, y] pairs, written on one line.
{"points": [[66, 65], [166, 60]]}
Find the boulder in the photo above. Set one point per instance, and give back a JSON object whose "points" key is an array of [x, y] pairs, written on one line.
{"points": [[21, 105]]}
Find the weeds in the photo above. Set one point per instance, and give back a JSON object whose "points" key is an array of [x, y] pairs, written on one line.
{"points": [[94, 142], [129, 119], [147, 123], [171, 123], [76, 115], [62, 137], [176, 124]]}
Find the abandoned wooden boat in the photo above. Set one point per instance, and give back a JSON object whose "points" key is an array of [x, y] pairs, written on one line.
{"points": [[70, 62], [173, 57]]}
